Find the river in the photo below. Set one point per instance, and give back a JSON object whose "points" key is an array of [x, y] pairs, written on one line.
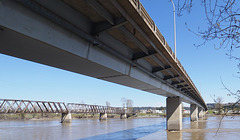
{"points": [[117, 129]]}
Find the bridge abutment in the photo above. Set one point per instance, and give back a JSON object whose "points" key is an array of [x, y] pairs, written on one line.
{"points": [[174, 113], [194, 112], [66, 118], [103, 116]]}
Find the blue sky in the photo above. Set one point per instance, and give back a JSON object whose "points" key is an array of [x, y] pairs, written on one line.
{"points": [[21, 79], [205, 65]]}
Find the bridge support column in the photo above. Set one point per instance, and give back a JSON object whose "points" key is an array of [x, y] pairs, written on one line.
{"points": [[193, 112], [66, 118], [200, 112], [123, 116], [103, 116], [174, 113]]}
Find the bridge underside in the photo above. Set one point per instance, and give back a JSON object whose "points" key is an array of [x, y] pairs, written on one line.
{"points": [[105, 44]]}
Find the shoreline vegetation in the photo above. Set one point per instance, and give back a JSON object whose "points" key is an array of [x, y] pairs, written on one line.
{"points": [[57, 116], [74, 116]]}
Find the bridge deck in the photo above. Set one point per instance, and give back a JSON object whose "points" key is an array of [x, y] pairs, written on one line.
{"points": [[116, 37], [140, 34]]}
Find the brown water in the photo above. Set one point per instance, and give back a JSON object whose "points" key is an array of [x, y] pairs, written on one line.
{"points": [[129, 129]]}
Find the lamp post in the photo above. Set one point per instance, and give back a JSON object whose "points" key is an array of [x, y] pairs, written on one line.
{"points": [[175, 50]]}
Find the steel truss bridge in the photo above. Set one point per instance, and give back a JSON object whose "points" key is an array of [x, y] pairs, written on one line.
{"points": [[10, 106]]}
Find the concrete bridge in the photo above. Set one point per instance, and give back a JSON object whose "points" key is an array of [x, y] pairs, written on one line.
{"points": [[112, 40], [10, 106]]}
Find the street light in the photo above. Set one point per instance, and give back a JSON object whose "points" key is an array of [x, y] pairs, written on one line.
{"points": [[175, 50]]}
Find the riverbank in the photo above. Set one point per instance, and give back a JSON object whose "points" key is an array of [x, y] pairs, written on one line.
{"points": [[55, 116], [33, 116], [48, 116]]}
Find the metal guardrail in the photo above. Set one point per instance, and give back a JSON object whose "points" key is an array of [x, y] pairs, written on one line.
{"points": [[8, 106]]}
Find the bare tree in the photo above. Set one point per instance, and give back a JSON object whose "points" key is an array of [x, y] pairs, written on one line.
{"points": [[123, 100], [218, 105], [127, 103], [219, 102], [223, 26], [223, 20], [235, 94], [107, 103]]}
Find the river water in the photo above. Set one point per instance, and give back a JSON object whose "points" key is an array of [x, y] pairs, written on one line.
{"points": [[117, 129]]}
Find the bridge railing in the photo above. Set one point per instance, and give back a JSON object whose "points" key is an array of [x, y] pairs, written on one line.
{"points": [[148, 20], [27, 106]]}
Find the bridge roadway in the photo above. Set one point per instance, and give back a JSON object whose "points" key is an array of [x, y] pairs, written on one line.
{"points": [[10, 106], [112, 40]]}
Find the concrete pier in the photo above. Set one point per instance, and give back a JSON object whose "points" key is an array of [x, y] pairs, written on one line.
{"points": [[204, 113], [200, 112], [194, 112], [103, 116], [174, 113], [66, 118], [123, 116]]}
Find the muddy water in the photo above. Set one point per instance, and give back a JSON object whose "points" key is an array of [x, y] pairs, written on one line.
{"points": [[130, 129]]}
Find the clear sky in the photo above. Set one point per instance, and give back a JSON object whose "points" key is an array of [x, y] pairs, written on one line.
{"points": [[21, 79]]}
